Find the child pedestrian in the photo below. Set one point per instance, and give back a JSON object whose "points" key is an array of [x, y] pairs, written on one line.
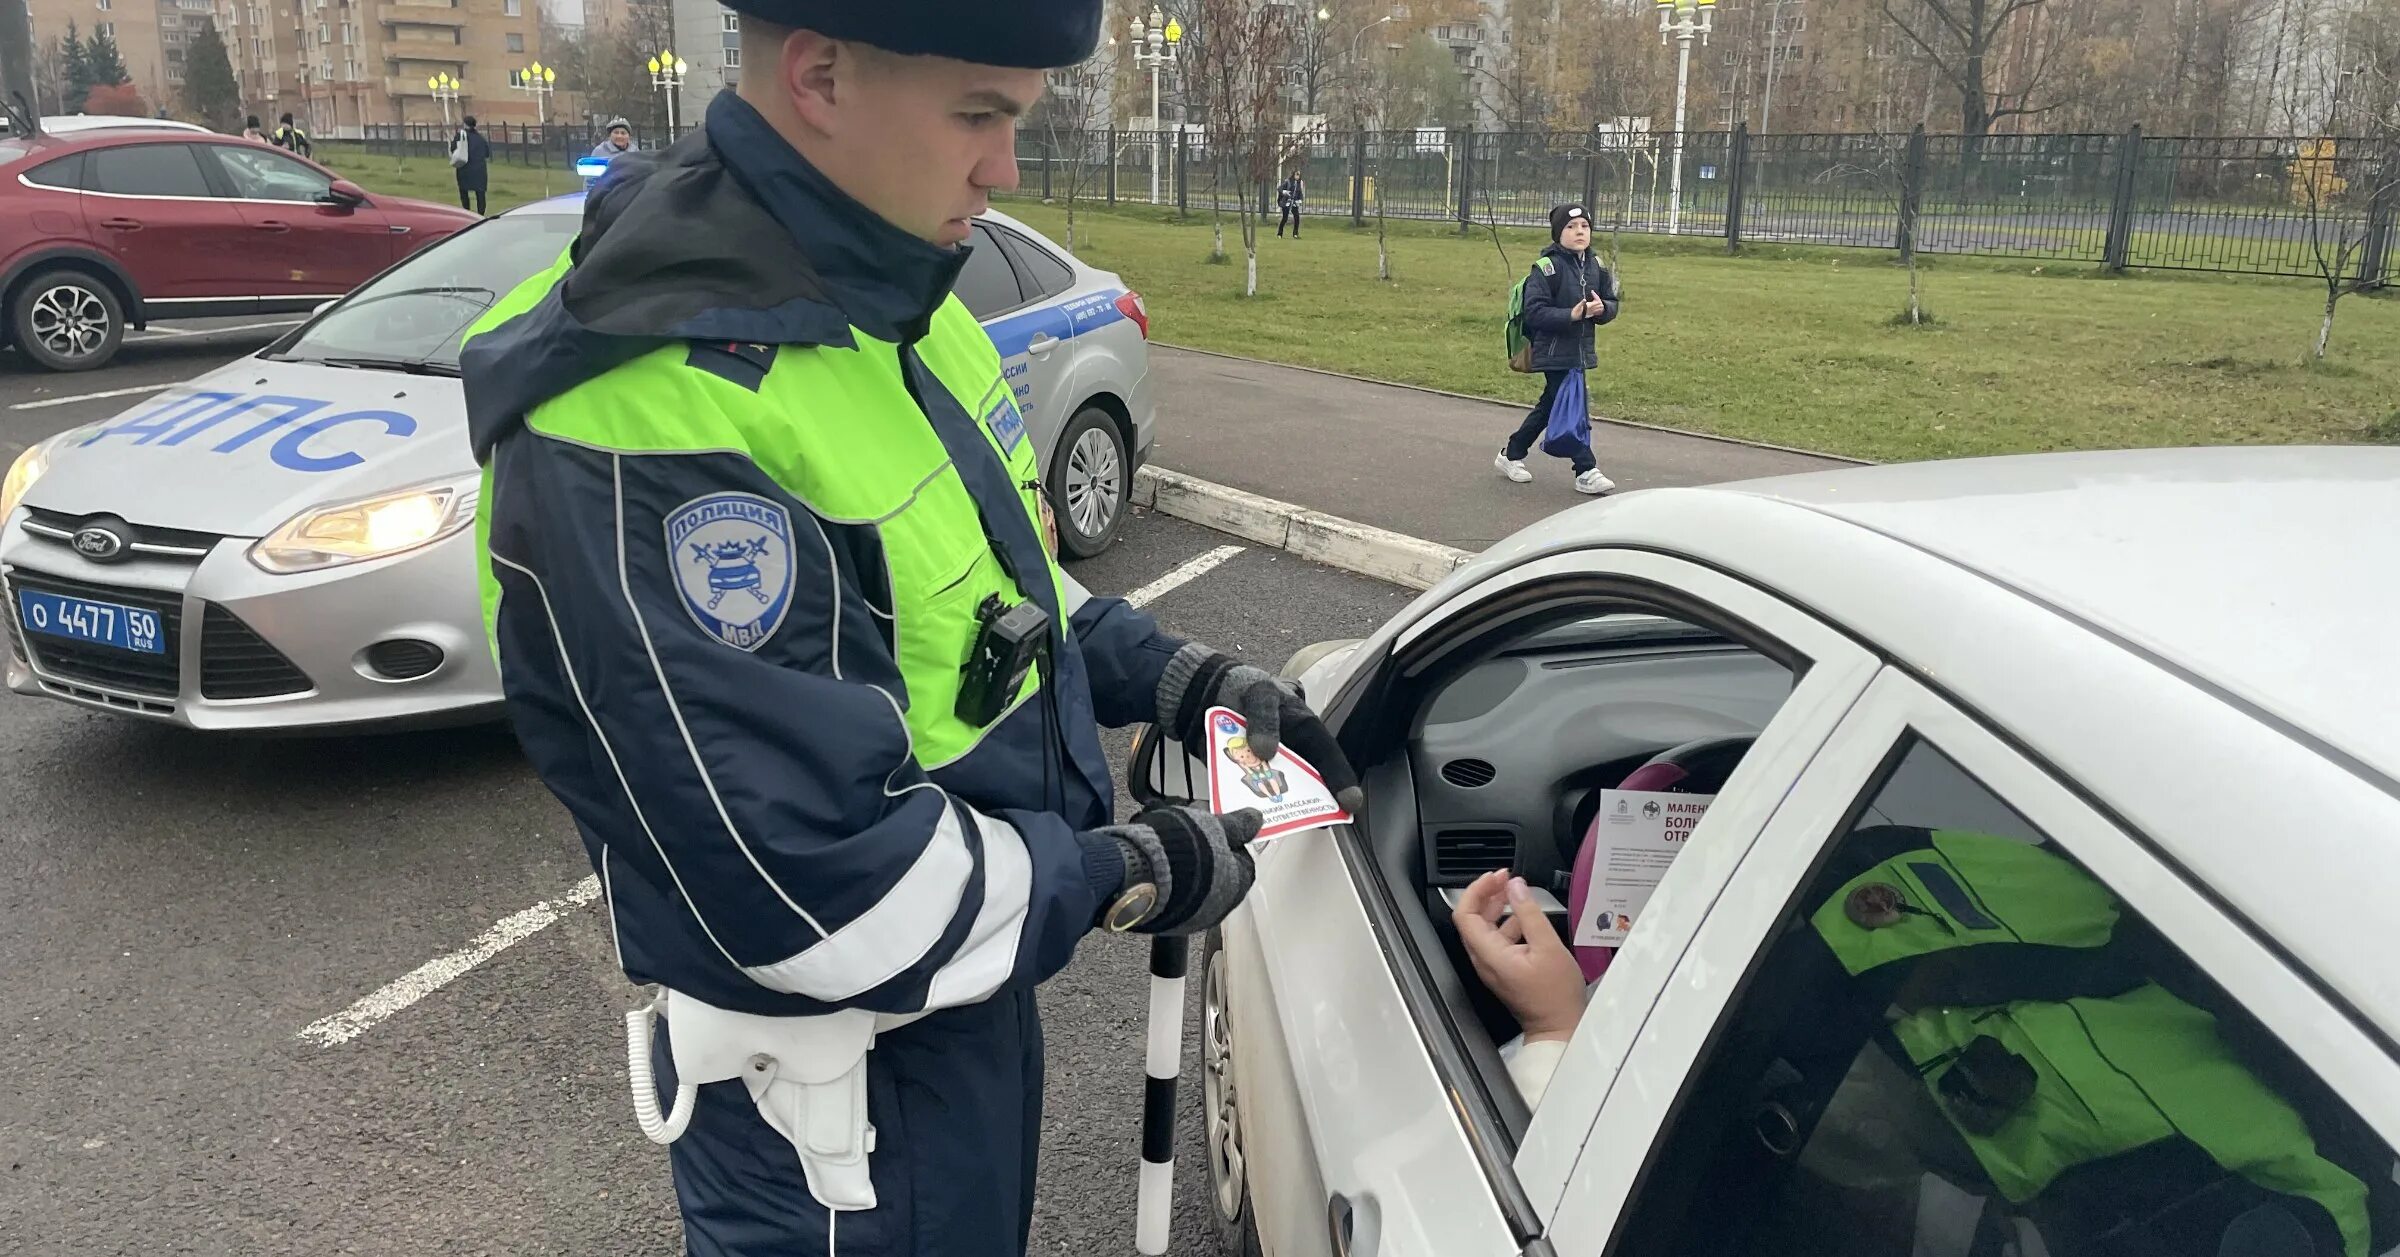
{"points": [[1567, 295]]}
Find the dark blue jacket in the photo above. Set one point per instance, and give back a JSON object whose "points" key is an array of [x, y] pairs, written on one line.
{"points": [[736, 782], [1559, 282]]}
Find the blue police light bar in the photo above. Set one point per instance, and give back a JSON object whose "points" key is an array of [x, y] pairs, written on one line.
{"points": [[590, 169]]}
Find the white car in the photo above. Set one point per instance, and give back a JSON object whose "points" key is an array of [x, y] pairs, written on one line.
{"points": [[2042, 898]]}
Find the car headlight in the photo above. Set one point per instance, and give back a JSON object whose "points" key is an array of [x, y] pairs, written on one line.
{"points": [[369, 528], [22, 473]]}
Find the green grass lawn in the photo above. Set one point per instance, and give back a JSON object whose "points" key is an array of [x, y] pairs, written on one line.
{"points": [[1796, 346], [1793, 346], [429, 178]]}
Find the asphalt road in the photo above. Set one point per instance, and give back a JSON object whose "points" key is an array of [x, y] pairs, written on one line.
{"points": [[1415, 462], [177, 909]]}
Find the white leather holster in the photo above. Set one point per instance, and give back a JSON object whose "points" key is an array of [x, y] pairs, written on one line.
{"points": [[806, 1075]]}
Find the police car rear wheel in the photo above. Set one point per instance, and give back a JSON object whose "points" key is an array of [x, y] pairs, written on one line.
{"points": [[1088, 483], [1228, 1167], [66, 320]]}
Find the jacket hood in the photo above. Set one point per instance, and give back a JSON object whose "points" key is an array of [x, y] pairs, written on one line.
{"points": [[702, 241]]}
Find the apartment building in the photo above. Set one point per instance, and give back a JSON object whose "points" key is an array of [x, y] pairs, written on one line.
{"points": [[133, 24], [708, 37], [338, 65]]}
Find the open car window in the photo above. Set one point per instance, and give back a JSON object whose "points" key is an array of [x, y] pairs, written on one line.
{"points": [[1961, 1042]]}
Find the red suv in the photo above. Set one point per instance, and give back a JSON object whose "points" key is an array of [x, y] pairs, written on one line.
{"points": [[104, 229]]}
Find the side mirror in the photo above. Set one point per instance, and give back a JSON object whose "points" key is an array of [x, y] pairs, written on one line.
{"points": [[1160, 771], [346, 194]]}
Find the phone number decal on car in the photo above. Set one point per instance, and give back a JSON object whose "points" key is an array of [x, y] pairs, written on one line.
{"points": [[181, 418]]}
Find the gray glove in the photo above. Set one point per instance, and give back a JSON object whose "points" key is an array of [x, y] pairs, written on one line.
{"points": [[1198, 678], [1198, 860]]}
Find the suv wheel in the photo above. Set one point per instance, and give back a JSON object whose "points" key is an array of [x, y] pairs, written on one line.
{"points": [[67, 320], [1090, 482]]}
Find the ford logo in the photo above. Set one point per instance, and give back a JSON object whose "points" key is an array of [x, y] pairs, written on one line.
{"points": [[100, 545]]}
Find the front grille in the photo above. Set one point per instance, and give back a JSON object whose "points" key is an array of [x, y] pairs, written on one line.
{"points": [[47, 526], [126, 671], [1464, 854], [235, 662]]}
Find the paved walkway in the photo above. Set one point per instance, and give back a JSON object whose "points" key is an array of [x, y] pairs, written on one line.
{"points": [[1418, 463]]}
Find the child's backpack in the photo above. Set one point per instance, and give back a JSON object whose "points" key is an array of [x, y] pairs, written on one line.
{"points": [[1520, 347]]}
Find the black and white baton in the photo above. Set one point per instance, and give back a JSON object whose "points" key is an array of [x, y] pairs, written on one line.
{"points": [[1154, 1196], [1154, 1199]]}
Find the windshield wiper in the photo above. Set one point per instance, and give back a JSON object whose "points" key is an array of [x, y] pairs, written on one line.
{"points": [[410, 366]]}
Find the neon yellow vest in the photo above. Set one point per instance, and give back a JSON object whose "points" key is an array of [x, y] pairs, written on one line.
{"points": [[837, 429]]}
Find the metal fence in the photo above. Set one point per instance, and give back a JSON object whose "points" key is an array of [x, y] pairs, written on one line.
{"points": [[515, 144], [2253, 205]]}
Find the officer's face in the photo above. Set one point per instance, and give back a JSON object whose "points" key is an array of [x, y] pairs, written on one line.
{"points": [[922, 141]]}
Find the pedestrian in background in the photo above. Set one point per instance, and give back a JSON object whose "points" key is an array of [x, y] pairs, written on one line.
{"points": [[471, 154], [1567, 295], [252, 131], [1287, 199], [290, 136], [620, 138]]}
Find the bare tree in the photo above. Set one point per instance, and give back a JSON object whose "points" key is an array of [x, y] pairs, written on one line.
{"points": [[2347, 191], [1247, 46], [1076, 107], [1967, 38]]}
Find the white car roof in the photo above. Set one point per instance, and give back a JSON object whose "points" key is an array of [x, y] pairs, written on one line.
{"points": [[2270, 574]]}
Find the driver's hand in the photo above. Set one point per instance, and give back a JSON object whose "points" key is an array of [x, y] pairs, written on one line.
{"points": [[1522, 959]]}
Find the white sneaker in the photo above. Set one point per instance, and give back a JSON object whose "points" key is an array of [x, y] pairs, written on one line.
{"points": [[1513, 468], [1593, 482]]}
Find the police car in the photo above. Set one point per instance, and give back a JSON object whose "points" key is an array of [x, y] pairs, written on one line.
{"points": [[2039, 901], [287, 542]]}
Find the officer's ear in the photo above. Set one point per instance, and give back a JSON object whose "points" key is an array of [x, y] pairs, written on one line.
{"points": [[813, 69]]}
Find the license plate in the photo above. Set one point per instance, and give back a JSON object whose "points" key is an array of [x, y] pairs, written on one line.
{"points": [[104, 623]]}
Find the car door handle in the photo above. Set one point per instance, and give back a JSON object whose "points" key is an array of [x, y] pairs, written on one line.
{"points": [[1341, 1222], [396, 229], [272, 224], [122, 224], [1042, 343]]}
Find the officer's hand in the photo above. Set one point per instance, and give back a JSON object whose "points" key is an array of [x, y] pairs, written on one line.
{"points": [[1199, 678], [1198, 860]]}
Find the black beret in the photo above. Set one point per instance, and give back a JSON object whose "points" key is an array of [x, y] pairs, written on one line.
{"points": [[1023, 34]]}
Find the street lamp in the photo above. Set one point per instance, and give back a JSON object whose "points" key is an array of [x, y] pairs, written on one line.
{"points": [[1682, 19], [540, 80], [1155, 46], [666, 74], [445, 90]]}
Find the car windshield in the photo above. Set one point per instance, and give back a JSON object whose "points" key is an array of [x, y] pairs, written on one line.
{"points": [[413, 317]]}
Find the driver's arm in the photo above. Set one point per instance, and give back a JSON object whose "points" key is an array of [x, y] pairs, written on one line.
{"points": [[1527, 966]]}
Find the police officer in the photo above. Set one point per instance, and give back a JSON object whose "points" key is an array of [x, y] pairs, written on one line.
{"points": [[764, 571], [289, 135]]}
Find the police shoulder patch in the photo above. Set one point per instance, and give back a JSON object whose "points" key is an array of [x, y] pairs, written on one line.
{"points": [[1006, 422], [732, 558]]}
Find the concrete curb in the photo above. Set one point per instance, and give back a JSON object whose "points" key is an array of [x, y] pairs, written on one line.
{"points": [[1313, 535], [1502, 401]]}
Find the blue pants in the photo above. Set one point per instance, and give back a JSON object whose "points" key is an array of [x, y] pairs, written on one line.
{"points": [[956, 1100], [1520, 443]]}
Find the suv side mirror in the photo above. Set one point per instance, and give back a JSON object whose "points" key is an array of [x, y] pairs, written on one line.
{"points": [[344, 193]]}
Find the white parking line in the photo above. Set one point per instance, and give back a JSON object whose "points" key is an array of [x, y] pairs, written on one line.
{"points": [[515, 928], [1182, 575], [433, 975], [93, 397]]}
